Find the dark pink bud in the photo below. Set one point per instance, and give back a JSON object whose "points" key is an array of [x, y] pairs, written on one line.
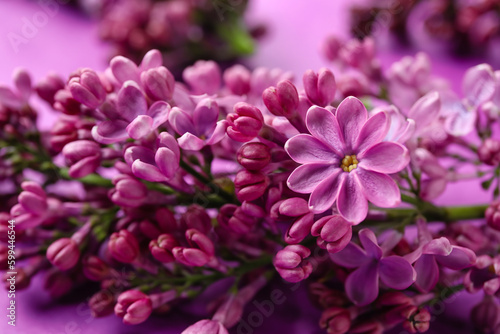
{"points": [[245, 123], [282, 100], [128, 192], [49, 86], [489, 152], [333, 232], [320, 87], [291, 263], [296, 211], [123, 246], [237, 79], [197, 239], [486, 315], [254, 156], [57, 283], [83, 157], [241, 222], [203, 77], [250, 185], [200, 252], [63, 253], [158, 83], [65, 103], [196, 217], [95, 269], [102, 304], [335, 320], [417, 320], [87, 88], [134, 307], [492, 215], [161, 249]]}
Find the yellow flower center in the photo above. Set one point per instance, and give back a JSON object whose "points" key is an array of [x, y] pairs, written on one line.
{"points": [[349, 163]]}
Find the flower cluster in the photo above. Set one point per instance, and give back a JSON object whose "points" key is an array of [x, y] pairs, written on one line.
{"points": [[157, 189]]}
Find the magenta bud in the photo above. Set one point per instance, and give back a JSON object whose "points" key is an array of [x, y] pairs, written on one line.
{"points": [[83, 156], [489, 152], [333, 232], [250, 185], [335, 320], [63, 132], [49, 86], [196, 217], [206, 327], [123, 246], [237, 79], [134, 307], [485, 315], [245, 123], [158, 83], [161, 249], [204, 77], [241, 222], [291, 263], [282, 100], [492, 215], [65, 103], [296, 211], [320, 87], [417, 320], [63, 253], [87, 88], [201, 250], [57, 283], [254, 156], [102, 304], [95, 269], [128, 192]]}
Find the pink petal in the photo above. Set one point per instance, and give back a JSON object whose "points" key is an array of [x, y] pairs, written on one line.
{"points": [[306, 178], [159, 113], [180, 121], [351, 115], [205, 116], [351, 202], [369, 242], [385, 157], [9, 99], [432, 188], [33, 202], [306, 149], [189, 141], [218, 134], [147, 172], [326, 192], [109, 132], [459, 258], [140, 127], [427, 273], [167, 162], [378, 188], [151, 60], [439, 246], [461, 123], [396, 272], [362, 284], [323, 125], [22, 80], [479, 84], [131, 102], [352, 256], [124, 69], [84, 167], [165, 139], [374, 130], [425, 110], [142, 153]]}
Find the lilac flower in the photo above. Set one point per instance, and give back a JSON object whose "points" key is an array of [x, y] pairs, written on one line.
{"points": [[333, 233], [87, 88], [204, 77], [362, 284], [320, 87], [134, 307], [63, 253], [129, 116], [485, 275], [345, 160], [124, 69], [128, 192], [161, 249], [237, 79], [296, 212], [199, 127], [291, 263], [201, 251], [18, 97]]}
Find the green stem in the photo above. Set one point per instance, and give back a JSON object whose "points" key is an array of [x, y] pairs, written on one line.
{"points": [[91, 179]]}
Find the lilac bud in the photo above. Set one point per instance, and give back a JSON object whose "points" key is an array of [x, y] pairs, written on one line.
{"points": [[245, 123], [65, 103], [134, 307], [33, 199], [331, 48], [63, 253], [123, 246], [158, 83], [95, 269], [291, 264], [57, 283], [333, 232], [161, 249], [237, 79], [250, 185], [196, 217], [102, 304], [206, 327], [297, 211], [241, 222], [68, 129], [282, 100], [489, 152], [204, 77], [324, 297], [492, 215], [335, 320], [321, 87], [201, 252], [87, 88], [128, 192], [254, 156], [83, 156], [48, 87], [166, 220], [486, 315], [417, 320]]}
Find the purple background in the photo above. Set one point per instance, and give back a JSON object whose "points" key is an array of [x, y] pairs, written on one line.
{"points": [[296, 29]]}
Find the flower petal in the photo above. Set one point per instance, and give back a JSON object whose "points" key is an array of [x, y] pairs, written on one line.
{"points": [[374, 130], [396, 272], [205, 117], [439, 246], [218, 133], [306, 178], [325, 194], [459, 258], [351, 202], [352, 256], [479, 84], [159, 113], [124, 69], [378, 188], [425, 110], [306, 149], [427, 273], [323, 125], [140, 127], [147, 172], [167, 161], [385, 157], [131, 102], [180, 121], [351, 115], [361, 285], [188, 141], [109, 132], [369, 242]]}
